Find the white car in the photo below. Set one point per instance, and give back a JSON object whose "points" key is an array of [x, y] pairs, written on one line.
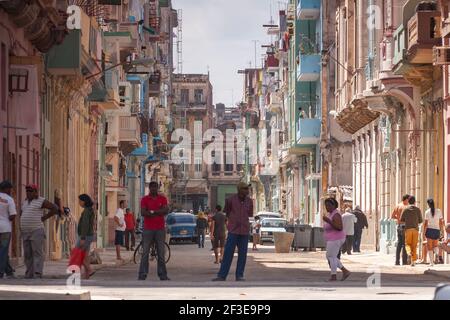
{"points": [[267, 214], [271, 225]]}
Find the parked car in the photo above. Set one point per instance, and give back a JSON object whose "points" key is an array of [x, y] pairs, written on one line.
{"points": [[268, 214], [271, 225], [261, 215], [182, 226]]}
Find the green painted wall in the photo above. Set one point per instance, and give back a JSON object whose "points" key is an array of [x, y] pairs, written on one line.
{"points": [[224, 191]]}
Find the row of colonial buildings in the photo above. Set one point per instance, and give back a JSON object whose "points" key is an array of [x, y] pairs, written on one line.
{"points": [[86, 94], [359, 91]]}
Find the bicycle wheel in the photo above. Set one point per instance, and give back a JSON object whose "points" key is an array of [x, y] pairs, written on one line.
{"points": [[138, 253], [152, 255], [166, 253]]}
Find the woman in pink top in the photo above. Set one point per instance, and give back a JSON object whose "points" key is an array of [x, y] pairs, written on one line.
{"points": [[335, 238]]}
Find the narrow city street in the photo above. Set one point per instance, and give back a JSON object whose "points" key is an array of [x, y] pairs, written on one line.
{"points": [[310, 123], [269, 276]]}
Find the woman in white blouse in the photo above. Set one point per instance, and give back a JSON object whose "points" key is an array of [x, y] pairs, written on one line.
{"points": [[433, 226]]}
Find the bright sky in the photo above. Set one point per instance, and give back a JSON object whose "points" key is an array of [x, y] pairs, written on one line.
{"points": [[219, 34]]}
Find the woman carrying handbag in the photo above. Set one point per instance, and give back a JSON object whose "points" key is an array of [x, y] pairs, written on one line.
{"points": [[86, 226]]}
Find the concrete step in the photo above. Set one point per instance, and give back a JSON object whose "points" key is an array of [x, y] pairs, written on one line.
{"points": [[30, 294]]}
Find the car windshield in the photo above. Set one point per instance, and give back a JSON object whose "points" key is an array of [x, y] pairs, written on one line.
{"points": [[180, 219], [275, 223]]}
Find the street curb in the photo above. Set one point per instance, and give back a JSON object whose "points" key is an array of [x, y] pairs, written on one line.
{"points": [[35, 295], [439, 274]]}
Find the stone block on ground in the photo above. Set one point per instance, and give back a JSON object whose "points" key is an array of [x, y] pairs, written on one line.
{"points": [[283, 241]]}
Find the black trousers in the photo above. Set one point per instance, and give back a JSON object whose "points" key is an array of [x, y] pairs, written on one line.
{"points": [[348, 244], [401, 246]]}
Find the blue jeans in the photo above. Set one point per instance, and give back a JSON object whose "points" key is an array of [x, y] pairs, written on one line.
{"points": [[201, 238], [5, 267], [233, 240]]}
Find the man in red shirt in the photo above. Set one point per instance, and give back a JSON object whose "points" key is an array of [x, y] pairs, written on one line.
{"points": [[153, 208]]}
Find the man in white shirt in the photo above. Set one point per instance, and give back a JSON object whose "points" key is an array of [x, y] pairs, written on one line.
{"points": [[348, 224], [119, 220], [7, 214]]}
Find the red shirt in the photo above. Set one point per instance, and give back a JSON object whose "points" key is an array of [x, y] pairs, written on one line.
{"points": [[129, 221], [238, 211], [154, 203]]}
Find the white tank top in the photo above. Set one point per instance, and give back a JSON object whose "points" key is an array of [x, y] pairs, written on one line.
{"points": [[32, 213]]}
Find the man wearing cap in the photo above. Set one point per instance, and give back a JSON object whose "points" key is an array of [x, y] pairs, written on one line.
{"points": [[7, 215], [238, 209], [32, 220]]}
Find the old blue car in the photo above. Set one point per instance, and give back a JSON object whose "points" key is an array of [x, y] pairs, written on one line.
{"points": [[182, 226]]}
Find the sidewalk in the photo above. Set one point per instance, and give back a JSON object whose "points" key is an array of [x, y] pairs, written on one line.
{"points": [[58, 269], [373, 259]]}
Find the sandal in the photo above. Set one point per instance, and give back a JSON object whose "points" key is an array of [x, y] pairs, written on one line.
{"points": [[345, 275]]}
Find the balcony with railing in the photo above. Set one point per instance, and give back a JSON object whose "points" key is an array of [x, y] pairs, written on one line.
{"points": [[125, 39], [308, 131], [308, 9], [399, 45], [423, 35], [129, 133], [414, 41], [309, 60]]}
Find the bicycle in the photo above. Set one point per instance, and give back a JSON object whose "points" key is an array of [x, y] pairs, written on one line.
{"points": [[153, 255]]}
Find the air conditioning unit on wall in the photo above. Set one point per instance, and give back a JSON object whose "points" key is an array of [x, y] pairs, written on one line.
{"points": [[441, 56]]}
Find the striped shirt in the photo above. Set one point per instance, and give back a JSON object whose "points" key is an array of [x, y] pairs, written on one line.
{"points": [[32, 213]]}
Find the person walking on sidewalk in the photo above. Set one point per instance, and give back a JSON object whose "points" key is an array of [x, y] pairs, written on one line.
{"points": [[218, 233], [130, 224], [396, 215], [334, 237], [359, 227], [32, 219], [7, 215], [433, 226], [86, 227], [238, 208], [411, 217], [348, 221], [119, 220], [153, 208], [256, 230], [202, 224]]}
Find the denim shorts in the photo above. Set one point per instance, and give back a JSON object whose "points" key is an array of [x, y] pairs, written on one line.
{"points": [[87, 243], [119, 238], [433, 234]]}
